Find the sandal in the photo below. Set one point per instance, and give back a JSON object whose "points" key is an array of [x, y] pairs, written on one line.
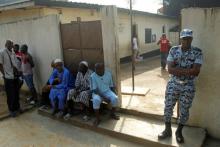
{"points": [[115, 117]]}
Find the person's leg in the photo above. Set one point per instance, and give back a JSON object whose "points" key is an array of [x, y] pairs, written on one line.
{"points": [[171, 95], [70, 105], [61, 105], [12, 91], [96, 106], [69, 110], [17, 96], [163, 64], [45, 98], [71, 94], [137, 54], [165, 59], [114, 102], [69, 101], [61, 101], [161, 59], [53, 101], [30, 84], [186, 99], [9, 93], [84, 97]]}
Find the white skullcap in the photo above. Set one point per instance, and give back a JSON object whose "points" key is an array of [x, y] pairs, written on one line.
{"points": [[58, 61], [84, 63]]}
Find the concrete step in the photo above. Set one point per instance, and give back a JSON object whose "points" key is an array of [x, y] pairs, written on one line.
{"points": [[136, 129], [144, 114], [25, 108]]}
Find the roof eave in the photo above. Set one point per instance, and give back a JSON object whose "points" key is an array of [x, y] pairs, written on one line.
{"points": [[146, 13], [15, 5], [66, 4]]}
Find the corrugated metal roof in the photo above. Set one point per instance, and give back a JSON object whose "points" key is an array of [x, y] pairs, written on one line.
{"points": [[66, 4], [10, 2]]}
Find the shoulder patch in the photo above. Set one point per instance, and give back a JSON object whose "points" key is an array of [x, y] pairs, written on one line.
{"points": [[175, 48]]}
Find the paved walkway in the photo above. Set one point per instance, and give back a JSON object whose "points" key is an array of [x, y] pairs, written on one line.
{"points": [[34, 130], [147, 74]]}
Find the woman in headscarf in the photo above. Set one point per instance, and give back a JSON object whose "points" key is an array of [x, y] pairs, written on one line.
{"points": [[81, 94]]}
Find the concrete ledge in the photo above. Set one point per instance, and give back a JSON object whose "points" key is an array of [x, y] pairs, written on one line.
{"points": [[125, 90], [76, 122], [25, 109], [135, 129], [145, 115]]}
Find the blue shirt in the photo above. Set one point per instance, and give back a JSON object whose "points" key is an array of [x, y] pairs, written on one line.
{"points": [[101, 83], [185, 59], [63, 76], [52, 76]]}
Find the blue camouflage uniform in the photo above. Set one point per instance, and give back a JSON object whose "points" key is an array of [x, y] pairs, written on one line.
{"points": [[181, 88]]}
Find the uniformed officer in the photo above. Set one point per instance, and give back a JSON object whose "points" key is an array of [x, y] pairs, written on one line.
{"points": [[184, 62]]}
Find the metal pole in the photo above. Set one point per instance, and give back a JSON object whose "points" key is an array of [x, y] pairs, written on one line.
{"points": [[133, 62], [178, 103]]}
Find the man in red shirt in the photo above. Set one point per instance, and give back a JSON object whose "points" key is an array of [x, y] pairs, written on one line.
{"points": [[164, 50], [17, 52]]}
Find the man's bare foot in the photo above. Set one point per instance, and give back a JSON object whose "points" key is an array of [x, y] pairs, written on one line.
{"points": [[96, 122], [115, 117]]}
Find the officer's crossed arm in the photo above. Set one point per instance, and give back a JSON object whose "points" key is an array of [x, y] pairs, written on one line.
{"points": [[194, 71]]}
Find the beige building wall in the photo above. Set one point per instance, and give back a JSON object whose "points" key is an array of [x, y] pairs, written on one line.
{"points": [[20, 14], [70, 14], [142, 22], [67, 15], [42, 35], [206, 106]]}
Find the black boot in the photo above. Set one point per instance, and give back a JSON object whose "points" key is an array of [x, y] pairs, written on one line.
{"points": [[167, 132], [179, 136]]}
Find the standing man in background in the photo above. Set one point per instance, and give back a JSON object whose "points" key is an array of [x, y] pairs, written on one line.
{"points": [[27, 64], [164, 50], [136, 56], [10, 71]]}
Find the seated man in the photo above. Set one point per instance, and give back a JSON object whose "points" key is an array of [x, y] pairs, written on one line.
{"points": [[46, 89], [58, 92], [81, 94], [102, 87]]}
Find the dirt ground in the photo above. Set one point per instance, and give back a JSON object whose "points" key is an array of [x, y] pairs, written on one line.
{"points": [[34, 130], [3, 102]]}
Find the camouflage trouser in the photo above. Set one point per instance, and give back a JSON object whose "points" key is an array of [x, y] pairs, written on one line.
{"points": [[184, 93]]}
